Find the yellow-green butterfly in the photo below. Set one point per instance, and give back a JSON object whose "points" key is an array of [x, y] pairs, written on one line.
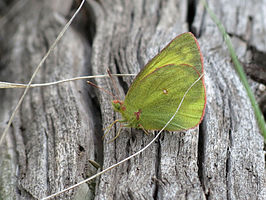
{"points": [[154, 95]]}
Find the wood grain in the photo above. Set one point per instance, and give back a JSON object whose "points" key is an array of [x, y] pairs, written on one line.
{"points": [[58, 129]]}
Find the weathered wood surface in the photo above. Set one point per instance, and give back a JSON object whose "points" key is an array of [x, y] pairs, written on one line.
{"points": [[58, 128]]}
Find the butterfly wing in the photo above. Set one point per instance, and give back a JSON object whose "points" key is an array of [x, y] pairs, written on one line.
{"points": [[157, 96], [183, 49]]}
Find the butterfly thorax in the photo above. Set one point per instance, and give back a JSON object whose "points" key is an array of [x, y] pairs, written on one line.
{"points": [[131, 119]]}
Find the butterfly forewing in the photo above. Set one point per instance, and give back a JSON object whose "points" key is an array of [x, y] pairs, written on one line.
{"points": [[184, 49]]}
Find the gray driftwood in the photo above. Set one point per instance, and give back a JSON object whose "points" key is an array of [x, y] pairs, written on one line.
{"points": [[58, 129]]}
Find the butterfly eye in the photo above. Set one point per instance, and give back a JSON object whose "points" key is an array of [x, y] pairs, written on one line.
{"points": [[165, 91]]}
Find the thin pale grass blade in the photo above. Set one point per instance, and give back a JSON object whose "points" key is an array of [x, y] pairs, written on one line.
{"points": [[21, 85], [128, 158], [240, 71], [37, 69]]}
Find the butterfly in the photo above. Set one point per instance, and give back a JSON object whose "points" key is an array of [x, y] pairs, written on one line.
{"points": [[157, 90]]}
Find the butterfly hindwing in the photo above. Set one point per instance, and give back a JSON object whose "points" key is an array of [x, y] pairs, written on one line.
{"points": [[157, 96]]}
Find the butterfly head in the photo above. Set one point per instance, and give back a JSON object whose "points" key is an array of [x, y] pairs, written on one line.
{"points": [[118, 106]]}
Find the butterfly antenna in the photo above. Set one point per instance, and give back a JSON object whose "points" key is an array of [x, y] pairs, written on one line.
{"points": [[106, 91], [114, 84]]}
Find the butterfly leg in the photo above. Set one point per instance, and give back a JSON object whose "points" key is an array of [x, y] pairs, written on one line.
{"points": [[107, 129], [145, 131], [118, 133]]}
